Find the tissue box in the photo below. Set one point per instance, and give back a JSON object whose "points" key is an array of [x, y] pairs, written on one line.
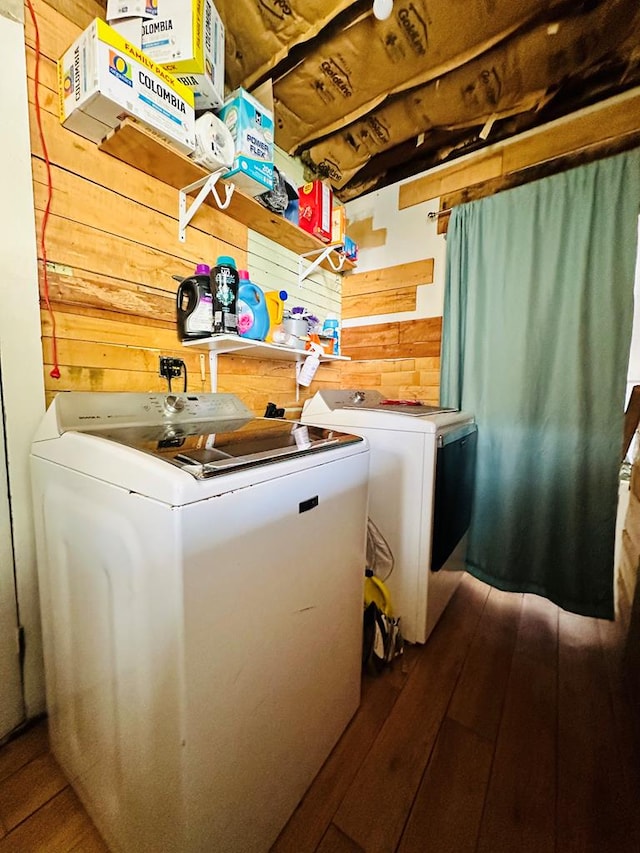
{"points": [[187, 39], [315, 210], [103, 76], [251, 127]]}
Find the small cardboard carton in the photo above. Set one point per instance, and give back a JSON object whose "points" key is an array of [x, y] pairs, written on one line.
{"points": [[251, 126], [102, 77], [315, 210], [130, 29], [338, 224], [119, 9], [126, 17], [187, 39]]}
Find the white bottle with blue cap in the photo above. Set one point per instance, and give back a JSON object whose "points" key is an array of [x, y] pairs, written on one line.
{"points": [[331, 329]]}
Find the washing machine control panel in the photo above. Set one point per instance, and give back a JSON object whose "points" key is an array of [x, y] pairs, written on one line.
{"points": [[173, 404], [93, 411]]}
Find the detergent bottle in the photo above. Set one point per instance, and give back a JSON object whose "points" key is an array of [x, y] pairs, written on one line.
{"points": [[275, 300], [194, 305], [253, 316], [224, 290]]}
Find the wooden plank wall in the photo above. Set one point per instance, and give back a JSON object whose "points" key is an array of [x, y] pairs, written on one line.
{"points": [[113, 248], [400, 359]]}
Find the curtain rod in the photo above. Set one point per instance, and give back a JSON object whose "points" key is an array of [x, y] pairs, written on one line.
{"points": [[434, 214]]}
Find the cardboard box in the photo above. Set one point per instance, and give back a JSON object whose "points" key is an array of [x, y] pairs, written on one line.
{"points": [[628, 565], [314, 216], [350, 248], [338, 223], [187, 39], [632, 522], [118, 9], [102, 77], [251, 126], [130, 29], [634, 484]]}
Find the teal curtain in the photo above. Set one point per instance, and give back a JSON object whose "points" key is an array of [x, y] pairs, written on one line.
{"points": [[536, 336]]}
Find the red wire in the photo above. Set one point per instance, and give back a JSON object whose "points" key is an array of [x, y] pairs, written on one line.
{"points": [[55, 371]]}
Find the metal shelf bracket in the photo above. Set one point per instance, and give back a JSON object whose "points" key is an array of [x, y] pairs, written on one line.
{"points": [[206, 185], [320, 256]]}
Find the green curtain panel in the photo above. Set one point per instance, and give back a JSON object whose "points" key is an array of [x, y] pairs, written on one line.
{"points": [[536, 336]]}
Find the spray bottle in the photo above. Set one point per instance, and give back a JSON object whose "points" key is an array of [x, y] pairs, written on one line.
{"points": [[306, 370]]}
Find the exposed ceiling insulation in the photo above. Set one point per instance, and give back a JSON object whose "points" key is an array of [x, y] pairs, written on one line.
{"points": [[367, 102]]}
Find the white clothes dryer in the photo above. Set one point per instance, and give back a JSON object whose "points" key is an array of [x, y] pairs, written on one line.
{"points": [[201, 575], [420, 486]]}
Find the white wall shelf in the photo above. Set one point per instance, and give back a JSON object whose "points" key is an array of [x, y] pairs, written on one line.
{"points": [[235, 345], [310, 261], [206, 185], [136, 145]]}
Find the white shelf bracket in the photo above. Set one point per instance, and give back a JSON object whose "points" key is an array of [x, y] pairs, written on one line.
{"points": [[206, 185], [325, 254], [213, 370]]}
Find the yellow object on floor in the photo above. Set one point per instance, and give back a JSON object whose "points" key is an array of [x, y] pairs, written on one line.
{"points": [[375, 590]]}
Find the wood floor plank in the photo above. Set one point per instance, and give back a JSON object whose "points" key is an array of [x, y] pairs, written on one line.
{"points": [[407, 777], [375, 808], [479, 695], [446, 814], [20, 751], [335, 841], [520, 805], [91, 842], [626, 712], [57, 827], [307, 825], [596, 811], [631, 655], [28, 788]]}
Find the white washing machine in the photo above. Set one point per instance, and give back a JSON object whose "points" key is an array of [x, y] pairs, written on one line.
{"points": [[201, 576], [420, 484]]}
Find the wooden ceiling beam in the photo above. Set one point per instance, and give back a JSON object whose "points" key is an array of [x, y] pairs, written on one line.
{"points": [[589, 134]]}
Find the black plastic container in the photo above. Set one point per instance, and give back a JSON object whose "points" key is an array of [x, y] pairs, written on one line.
{"points": [[194, 305], [224, 288]]}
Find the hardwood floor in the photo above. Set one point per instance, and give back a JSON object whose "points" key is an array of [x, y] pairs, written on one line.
{"points": [[510, 731]]}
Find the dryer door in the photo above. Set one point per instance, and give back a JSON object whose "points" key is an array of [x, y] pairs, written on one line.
{"points": [[455, 475]]}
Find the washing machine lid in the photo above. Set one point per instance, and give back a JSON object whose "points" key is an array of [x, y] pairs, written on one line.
{"points": [[203, 434], [210, 448], [374, 401]]}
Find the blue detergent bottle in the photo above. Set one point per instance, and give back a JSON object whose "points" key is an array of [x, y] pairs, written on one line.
{"points": [[253, 314]]}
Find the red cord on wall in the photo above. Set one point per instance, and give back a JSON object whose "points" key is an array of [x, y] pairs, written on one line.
{"points": [[55, 371]]}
